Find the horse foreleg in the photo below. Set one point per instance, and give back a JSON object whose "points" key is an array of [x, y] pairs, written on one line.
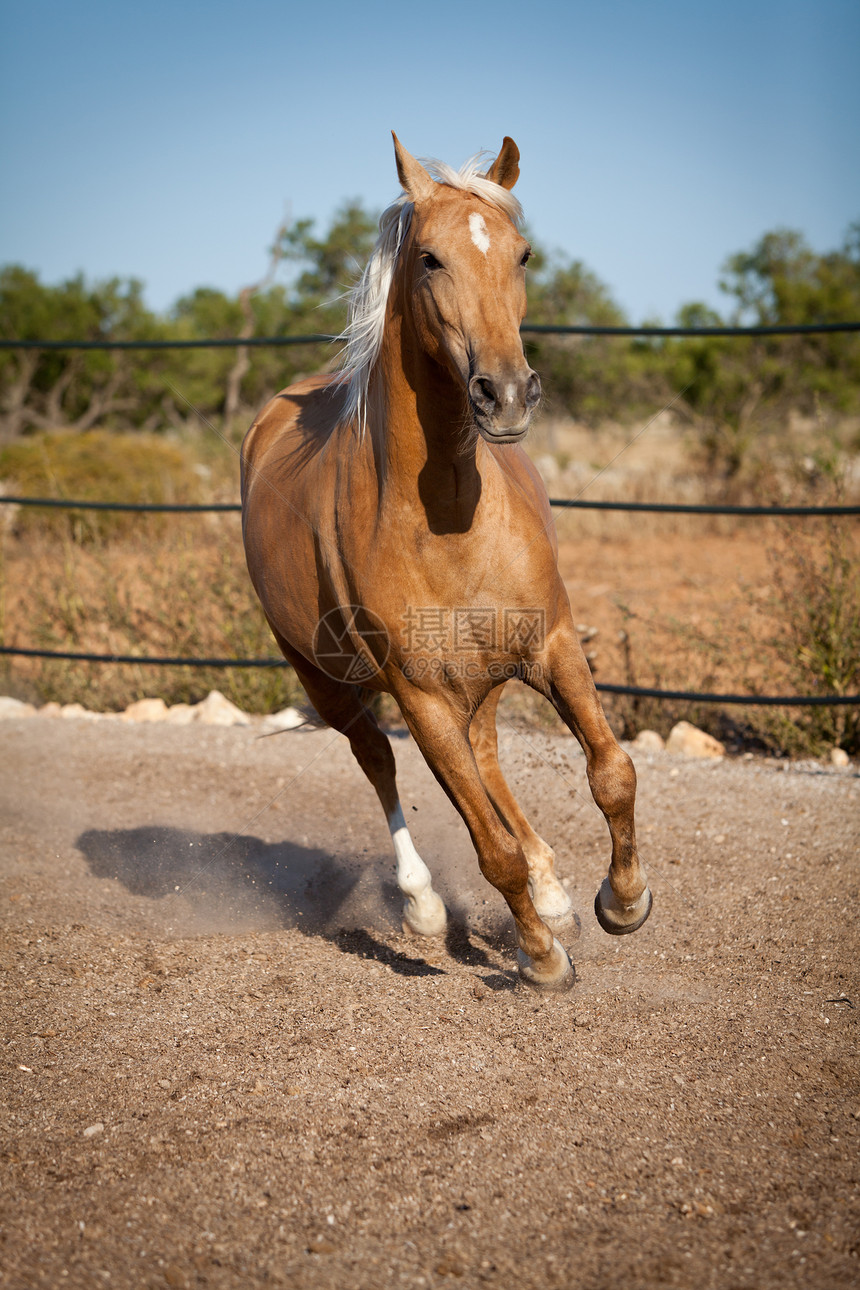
{"points": [[624, 900], [341, 706], [442, 733], [551, 900]]}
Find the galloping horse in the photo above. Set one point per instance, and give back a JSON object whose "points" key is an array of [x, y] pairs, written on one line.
{"points": [[399, 540]]}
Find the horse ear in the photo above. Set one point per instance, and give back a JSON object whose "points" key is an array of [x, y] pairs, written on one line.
{"points": [[413, 177], [505, 170]]}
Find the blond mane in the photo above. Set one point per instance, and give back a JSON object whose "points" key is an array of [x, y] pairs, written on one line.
{"points": [[369, 296]]}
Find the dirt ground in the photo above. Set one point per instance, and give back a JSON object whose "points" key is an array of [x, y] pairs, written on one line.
{"points": [[224, 1065]]}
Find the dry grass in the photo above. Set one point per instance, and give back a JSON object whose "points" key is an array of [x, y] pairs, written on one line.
{"points": [[182, 593]]}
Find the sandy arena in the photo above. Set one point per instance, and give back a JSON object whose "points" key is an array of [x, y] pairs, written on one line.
{"points": [[224, 1065]]}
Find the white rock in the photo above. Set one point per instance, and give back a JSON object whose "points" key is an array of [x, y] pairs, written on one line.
{"points": [[286, 719], [838, 756], [649, 741], [181, 714], [146, 710], [215, 710], [15, 708], [93, 1130], [51, 709], [72, 710], [692, 742]]}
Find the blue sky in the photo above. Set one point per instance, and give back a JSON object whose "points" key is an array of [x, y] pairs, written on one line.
{"points": [[165, 141]]}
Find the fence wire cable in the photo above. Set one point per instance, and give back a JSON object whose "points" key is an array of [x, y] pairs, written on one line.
{"points": [[537, 329], [634, 691], [564, 503]]}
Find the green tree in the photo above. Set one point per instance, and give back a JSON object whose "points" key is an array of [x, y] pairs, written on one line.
{"points": [[588, 377], [325, 268], [742, 392], [312, 301], [781, 280], [48, 389]]}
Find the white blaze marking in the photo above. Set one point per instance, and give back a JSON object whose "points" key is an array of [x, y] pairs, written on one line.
{"points": [[478, 229]]}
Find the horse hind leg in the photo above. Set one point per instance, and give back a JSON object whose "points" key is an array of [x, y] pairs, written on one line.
{"points": [[342, 707], [551, 901]]}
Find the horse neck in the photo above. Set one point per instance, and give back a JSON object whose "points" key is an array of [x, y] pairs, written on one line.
{"points": [[429, 457]]}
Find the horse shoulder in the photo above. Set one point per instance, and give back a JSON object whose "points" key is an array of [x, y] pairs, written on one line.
{"points": [[531, 481], [526, 491]]}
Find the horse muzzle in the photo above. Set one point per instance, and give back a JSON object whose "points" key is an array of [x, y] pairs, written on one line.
{"points": [[502, 408]]}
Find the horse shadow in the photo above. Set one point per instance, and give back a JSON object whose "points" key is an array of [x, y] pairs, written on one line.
{"points": [[235, 883]]}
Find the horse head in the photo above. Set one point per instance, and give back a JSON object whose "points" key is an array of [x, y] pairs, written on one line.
{"points": [[463, 267]]}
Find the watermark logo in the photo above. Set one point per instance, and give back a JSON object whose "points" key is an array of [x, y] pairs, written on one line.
{"points": [[470, 641], [472, 629], [351, 643]]}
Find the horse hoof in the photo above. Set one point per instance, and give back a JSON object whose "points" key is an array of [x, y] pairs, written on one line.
{"points": [[618, 919], [425, 917], [554, 975]]}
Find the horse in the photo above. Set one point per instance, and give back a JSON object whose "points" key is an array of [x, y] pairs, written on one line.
{"points": [[400, 540]]}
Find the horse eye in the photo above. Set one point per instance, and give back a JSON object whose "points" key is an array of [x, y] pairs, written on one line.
{"points": [[527, 255], [430, 261]]}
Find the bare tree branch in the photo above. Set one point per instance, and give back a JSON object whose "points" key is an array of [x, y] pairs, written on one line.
{"points": [[105, 399], [14, 413], [243, 362]]}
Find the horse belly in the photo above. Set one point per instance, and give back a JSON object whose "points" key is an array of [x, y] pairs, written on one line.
{"points": [[281, 551]]}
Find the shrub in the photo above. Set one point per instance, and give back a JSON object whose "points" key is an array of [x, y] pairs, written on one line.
{"points": [[815, 604], [96, 466]]}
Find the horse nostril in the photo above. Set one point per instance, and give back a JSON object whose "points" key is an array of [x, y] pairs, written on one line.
{"points": [[533, 390], [483, 393]]}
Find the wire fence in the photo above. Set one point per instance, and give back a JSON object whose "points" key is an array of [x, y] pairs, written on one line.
{"points": [[633, 691], [669, 508], [570, 503], [543, 329]]}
